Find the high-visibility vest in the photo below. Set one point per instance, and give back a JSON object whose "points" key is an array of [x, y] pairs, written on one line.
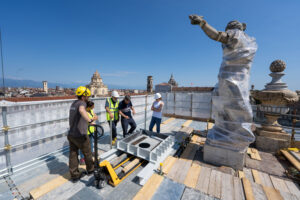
{"points": [[91, 129], [114, 108]]}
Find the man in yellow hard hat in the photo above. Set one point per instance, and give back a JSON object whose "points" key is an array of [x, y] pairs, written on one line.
{"points": [[112, 113], [78, 138]]}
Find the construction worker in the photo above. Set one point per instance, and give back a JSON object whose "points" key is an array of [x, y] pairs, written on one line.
{"points": [[157, 107], [90, 111], [112, 113], [77, 136], [125, 109]]}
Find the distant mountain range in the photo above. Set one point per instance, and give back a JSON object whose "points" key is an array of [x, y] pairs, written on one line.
{"points": [[38, 84]]}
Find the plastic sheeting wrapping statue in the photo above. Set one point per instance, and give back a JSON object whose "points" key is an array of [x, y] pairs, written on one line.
{"points": [[231, 107]]}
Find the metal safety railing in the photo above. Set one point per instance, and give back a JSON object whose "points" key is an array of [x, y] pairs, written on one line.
{"points": [[7, 149], [51, 121]]}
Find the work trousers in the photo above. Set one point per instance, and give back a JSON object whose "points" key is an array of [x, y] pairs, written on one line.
{"points": [[83, 144], [92, 146], [157, 121], [125, 122], [114, 128]]}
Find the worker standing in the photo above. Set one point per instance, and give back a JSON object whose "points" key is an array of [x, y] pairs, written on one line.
{"points": [[125, 109], [77, 136], [112, 113], [157, 107], [91, 129]]}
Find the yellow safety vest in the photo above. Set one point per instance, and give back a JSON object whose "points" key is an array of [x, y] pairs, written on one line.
{"points": [[91, 129], [114, 108]]}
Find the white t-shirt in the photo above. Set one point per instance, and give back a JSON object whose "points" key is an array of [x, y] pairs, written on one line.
{"points": [[156, 105]]}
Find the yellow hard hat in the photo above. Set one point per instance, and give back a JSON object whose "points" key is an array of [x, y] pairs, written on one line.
{"points": [[83, 91]]}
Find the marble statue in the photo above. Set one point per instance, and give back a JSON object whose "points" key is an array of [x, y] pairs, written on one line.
{"points": [[231, 107]]}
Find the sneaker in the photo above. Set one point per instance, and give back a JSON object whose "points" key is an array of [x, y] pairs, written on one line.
{"points": [[82, 162]]}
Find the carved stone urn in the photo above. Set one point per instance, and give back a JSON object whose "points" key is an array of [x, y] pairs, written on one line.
{"points": [[275, 99]]}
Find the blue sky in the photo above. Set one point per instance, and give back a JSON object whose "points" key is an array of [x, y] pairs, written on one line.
{"points": [[67, 40]]}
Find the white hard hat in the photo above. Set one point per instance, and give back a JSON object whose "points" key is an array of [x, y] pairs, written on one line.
{"points": [[157, 96], [115, 94]]}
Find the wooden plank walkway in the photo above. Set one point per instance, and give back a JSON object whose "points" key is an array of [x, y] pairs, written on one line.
{"points": [[164, 123], [149, 188], [276, 183], [183, 178], [51, 185], [250, 183], [186, 123], [167, 164], [203, 180], [192, 176], [168, 121], [216, 184]]}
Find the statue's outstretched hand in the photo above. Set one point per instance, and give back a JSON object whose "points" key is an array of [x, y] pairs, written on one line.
{"points": [[195, 19]]}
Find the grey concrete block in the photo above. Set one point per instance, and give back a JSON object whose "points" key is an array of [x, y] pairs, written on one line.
{"points": [[220, 156], [6, 195], [269, 134], [268, 144], [169, 189], [85, 193], [191, 194]]}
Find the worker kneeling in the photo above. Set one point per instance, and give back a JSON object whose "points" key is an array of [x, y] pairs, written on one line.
{"points": [[125, 109], [77, 136]]}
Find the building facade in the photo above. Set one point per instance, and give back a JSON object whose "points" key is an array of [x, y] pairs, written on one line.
{"points": [[166, 87], [163, 87], [172, 81], [149, 84], [97, 86], [45, 86]]}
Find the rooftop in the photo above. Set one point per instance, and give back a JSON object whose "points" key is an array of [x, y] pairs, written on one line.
{"points": [[185, 175]]}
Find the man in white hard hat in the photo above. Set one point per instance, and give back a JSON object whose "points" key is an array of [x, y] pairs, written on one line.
{"points": [[157, 107], [112, 113]]}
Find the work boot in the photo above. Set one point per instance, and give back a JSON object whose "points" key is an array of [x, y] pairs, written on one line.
{"points": [[75, 180], [82, 161], [114, 141], [90, 173]]}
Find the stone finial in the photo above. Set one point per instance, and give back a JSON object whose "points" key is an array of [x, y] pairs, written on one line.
{"points": [[276, 93], [277, 66]]}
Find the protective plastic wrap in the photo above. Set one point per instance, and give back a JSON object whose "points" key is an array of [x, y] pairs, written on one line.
{"points": [[231, 107]]}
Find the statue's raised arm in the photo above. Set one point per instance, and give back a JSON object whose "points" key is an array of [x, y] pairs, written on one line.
{"points": [[210, 31]]}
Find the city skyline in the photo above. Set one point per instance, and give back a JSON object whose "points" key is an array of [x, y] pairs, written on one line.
{"points": [[67, 41]]}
